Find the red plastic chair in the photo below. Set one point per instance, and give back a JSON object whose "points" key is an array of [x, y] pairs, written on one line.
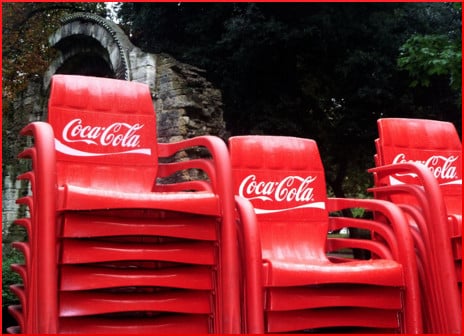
{"points": [[419, 166], [291, 283], [112, 250]]}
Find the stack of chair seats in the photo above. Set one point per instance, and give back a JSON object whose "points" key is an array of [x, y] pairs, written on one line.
{"points": [[116, 242], [292, 283], [419, 168]]}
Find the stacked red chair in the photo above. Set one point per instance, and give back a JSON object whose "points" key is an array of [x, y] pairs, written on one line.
{"points": [[419, 168], [292, 284], [110, 249]]}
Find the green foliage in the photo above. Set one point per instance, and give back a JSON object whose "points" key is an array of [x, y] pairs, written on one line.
{"points": [[26, 27], [325, 71], [9, 277], [427, 56]]}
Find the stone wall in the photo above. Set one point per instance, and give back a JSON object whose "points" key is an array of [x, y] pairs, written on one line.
{"points": [[29, 106], [11, 189], [187, 104]]}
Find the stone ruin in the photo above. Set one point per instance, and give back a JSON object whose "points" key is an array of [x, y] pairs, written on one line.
{"points": [[186, 103]]}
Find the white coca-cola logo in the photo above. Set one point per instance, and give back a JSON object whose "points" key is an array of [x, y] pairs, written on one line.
{"points": [[442, 167], [289, 189], [117, 134]]}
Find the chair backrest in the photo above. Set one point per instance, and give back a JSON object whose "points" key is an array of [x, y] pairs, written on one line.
{"points": [[105, 133], [433, 143], [283, 177]]}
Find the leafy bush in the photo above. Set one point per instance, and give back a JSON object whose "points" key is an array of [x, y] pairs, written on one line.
{"points": [[426, 56], [9, 277]]}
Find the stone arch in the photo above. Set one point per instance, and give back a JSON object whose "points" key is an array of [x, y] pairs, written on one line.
{"points": [[186, 103], [102, 43]]}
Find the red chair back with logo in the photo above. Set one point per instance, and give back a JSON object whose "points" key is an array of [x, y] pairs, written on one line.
{"points": [[285, 189], [97, 147], [433, 143]]}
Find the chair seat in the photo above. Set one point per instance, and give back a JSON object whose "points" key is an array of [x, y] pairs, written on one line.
{"points": [[172, 324], [95, 303], [333, 295], [299, 273], [79, 198], [91, 277], [87, 251], [322, 318], [140, 223]]}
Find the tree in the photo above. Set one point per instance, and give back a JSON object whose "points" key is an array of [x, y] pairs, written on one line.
{"points": [[427, 56], [326, 71], [26, 27], [435, 58], [432, 60]]}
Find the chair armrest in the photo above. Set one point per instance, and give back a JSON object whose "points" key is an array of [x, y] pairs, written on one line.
{"points": [[223, 187], [218, 169], [375, 247], [166, 170], [44, 237], [251, 260], [376, 228], [435, 214], [425, 177], [210, 142], [431, 201], [406, 254], [184, 186], [394, 215]]}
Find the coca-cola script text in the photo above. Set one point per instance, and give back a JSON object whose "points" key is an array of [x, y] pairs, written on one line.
{"points": [[442, 167], [291, 188], [116, 134]]}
